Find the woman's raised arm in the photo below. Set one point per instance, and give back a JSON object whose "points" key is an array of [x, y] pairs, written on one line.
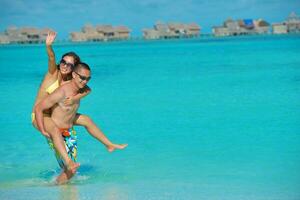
{"points": [[51, 56]]}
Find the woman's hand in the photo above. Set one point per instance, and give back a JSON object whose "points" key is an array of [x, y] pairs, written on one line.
{"points": [[69, 101], [50, 38], [47, 135]]}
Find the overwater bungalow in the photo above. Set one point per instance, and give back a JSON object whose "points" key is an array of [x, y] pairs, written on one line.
{"points": [[4, 39], [101, 33], [172, 30], [290, 25], [293, 23], [23, 35], [279, 28], [241, 27]]}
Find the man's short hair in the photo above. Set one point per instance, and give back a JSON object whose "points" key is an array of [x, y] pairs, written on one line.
{"points": [[81, 65]]}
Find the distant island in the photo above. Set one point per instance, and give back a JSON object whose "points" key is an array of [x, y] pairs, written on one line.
{"points": [[230, 27]]}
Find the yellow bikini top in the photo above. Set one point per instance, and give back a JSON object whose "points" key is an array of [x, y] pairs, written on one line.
{"points": [[52, 87]]}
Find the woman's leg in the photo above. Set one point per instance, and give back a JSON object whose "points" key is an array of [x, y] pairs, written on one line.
{"points": [[91, 127]]}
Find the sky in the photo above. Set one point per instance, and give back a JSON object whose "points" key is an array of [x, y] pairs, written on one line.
{"points": [[69, 16]]}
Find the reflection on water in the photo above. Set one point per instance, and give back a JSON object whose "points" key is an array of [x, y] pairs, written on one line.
{"points": [[101, 191], [68, 192], [114, 192]]}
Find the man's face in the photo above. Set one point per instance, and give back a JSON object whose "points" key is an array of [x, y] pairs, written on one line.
{"points": [[82, 76]]}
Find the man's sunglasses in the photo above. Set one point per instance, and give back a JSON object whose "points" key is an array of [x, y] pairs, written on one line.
{"points": [[83, 78], [66, 63]]}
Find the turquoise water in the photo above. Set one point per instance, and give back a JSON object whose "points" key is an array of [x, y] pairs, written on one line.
{"points": [[204, 119]]}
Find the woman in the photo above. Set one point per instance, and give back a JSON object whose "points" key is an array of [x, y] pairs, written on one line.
{"points": [[56, 76]]}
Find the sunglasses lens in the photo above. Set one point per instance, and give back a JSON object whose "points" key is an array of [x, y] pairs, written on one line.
{"points": [[83, 78], [69, 65], [66, 63]]}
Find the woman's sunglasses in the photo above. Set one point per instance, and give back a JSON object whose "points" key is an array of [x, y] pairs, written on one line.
{"points": [[63, 62]]}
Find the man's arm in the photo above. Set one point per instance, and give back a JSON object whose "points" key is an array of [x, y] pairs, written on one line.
{"points": [[51, 56], [47, 103]]}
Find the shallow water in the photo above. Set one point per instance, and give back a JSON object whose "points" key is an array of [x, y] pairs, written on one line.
{"points": [[204, 118]]}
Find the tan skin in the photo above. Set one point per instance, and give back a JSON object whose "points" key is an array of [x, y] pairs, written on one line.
{"points": [[51, 76], [63, 75], [62, 115]]}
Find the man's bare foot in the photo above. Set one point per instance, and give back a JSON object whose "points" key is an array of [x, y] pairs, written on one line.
{"points": [[72, 166], [113, 147], [64, 177]]}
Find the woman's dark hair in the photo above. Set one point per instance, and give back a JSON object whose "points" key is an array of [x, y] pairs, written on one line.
{"points": [[75, 57]]}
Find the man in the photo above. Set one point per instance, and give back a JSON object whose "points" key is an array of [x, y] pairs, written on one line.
{"points": [[63, 117]]}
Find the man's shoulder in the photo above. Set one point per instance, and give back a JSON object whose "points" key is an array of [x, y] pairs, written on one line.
{"points": [[62, 89], [66, 86]]}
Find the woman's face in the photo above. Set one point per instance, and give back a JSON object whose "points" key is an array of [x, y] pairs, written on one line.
{"points": [[66, 65]]}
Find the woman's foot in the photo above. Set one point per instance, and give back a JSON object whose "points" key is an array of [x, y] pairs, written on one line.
{"points": [[113, 147]]}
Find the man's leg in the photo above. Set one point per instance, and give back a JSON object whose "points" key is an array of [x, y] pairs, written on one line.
{"points": [[64, 177], [91, 127], [58, 143], [71, 145]]}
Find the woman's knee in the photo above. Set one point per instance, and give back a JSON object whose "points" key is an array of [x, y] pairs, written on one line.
{"points": [[85, 120]]}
